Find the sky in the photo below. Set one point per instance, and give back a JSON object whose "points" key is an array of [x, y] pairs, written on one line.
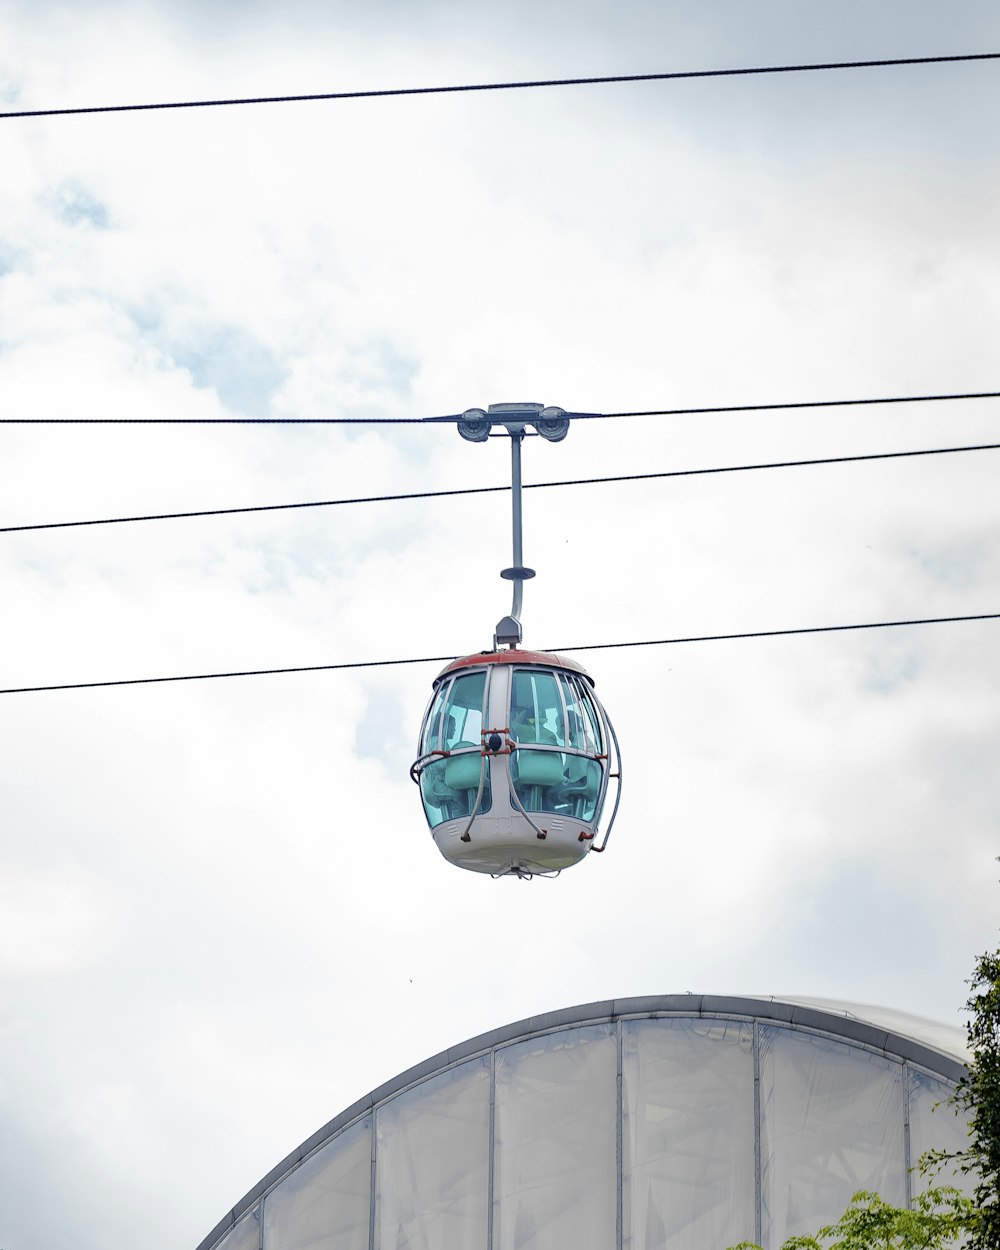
{"points": [[222, 917]]}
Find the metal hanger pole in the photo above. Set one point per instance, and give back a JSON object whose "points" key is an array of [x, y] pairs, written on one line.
{"points": [[515, 505], [475, 425]]}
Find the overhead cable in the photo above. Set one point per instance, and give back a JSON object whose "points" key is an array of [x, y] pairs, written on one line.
{"points": [[508, 86], [815, 403], [444, 659], [489, 490], [454, 417], [233, 420]]}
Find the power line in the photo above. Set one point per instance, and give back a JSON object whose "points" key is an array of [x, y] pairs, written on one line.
{"points": [[508, 86], [454, 417], [444, 659], [488, 490], [781, 633], [236, 420], [817, 403]]}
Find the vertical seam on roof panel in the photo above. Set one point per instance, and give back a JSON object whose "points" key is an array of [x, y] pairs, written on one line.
{"points": [[371, 1188], [619, 1136], [908, 1180], [258, 1215], [757, 1181], [492, 1150]]}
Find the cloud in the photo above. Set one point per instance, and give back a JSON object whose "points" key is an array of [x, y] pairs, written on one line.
{"points": [[224, 917], [74, 204], [47, 925], [244, 373]]}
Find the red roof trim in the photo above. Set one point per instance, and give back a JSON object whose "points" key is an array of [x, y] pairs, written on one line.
{"points": [[546, 659]]}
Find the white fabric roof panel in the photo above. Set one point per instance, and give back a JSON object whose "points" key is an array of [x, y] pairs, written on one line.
{"points": [[641, 1124]]}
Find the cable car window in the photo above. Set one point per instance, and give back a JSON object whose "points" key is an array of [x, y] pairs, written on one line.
{"points": [[580, 790], [554, 712], [537, 777], [537, 716], [584, 725], [463, 713], [432, 725], [448, 786], [537, 709]]}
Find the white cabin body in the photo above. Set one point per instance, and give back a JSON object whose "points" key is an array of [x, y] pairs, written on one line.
{"points": [[516, 753]]}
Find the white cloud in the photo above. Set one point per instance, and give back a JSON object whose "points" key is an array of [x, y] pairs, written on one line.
{"points": [[48, 924], [222, 917]]}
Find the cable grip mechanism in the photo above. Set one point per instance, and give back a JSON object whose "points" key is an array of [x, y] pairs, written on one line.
{"points": [[475, 425]]}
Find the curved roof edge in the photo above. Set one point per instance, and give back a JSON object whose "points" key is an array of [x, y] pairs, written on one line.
{"points": [[515, 655], [838, 1019], [949, 1039]]}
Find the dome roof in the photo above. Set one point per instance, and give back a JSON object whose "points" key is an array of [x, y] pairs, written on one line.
{"points": [[948, 1039], [659, 1121]]}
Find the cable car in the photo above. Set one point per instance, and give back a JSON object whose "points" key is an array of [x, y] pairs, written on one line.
{"points": [[516, 752]]}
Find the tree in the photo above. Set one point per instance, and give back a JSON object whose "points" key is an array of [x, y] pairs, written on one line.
{"points": [[978, 1096], [938, 1218], [942, 1216]]}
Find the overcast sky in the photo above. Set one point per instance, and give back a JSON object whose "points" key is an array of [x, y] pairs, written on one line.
{"points": [[222, 917]]}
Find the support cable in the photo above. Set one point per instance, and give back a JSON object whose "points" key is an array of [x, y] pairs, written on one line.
{"points": [[453, 418], [445, 659], [507, 86], [488, 490]]}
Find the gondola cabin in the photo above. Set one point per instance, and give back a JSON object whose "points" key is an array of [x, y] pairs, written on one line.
{"points": [[516, 755]]}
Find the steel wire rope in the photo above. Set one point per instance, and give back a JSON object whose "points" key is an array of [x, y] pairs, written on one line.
{"points": [[455, 89], [444, 659], [455, 417], [488, 490]]}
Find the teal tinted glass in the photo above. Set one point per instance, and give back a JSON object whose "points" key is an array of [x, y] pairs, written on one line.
{"points": [[537, 712], [581, 788], [537, 776], [432, 726], [448, 787], [581, 715], [461, 701], [463, 712], [551, 710], [559, 782]]}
